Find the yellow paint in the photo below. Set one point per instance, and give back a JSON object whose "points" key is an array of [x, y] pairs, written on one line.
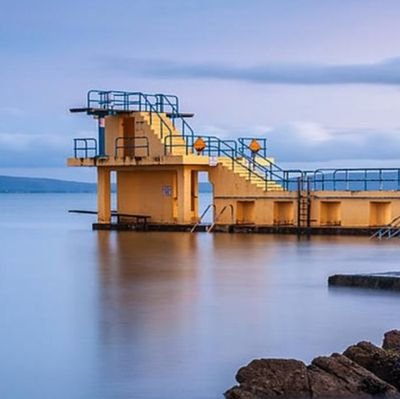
{"points": [[284, 212], [104, 195], [164, 184], [330, 214]]}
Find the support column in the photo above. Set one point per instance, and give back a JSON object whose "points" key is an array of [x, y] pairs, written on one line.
{"points": [[194, 194], [103, 195], [101, 137], [184, 195]]}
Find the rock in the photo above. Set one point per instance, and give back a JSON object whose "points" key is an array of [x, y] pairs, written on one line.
{"points": [[270, 378], [363, 371], [337, 376], [391, 340], [384, 364]]}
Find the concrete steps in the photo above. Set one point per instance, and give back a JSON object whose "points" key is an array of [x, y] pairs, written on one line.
{"points": [[239, 169], [176, 142]]}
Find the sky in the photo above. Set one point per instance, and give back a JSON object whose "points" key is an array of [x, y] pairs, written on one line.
{"points": [[319, 79]]}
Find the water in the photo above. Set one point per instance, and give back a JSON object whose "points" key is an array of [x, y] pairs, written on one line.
{"points": [[88, 314]]}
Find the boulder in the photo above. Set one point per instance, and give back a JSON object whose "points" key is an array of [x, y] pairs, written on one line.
{"points": [[362, 371], [384, 364], [270, 378], [391, 340], [337, 376]]}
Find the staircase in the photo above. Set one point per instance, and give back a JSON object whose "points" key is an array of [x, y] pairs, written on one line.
{"points": [[163, 128], [161, 112], [245, 172]]}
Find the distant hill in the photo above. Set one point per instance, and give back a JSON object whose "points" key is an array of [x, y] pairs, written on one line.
{"points": [[10, 184]]}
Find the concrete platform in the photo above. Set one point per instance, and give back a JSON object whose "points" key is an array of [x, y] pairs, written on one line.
{"points": [[147, 227], [239, 228], [382, 281]]}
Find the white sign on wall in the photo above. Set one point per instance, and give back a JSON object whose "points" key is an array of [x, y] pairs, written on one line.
{"points": [[213, 161]]}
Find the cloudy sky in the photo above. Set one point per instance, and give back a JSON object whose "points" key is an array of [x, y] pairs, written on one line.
{"points": [[319, 79]]}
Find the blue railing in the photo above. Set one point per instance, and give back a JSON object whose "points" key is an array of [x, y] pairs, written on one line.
{"points": [[114, 100], [128, 146], [229, 148], [238, 151], [354, 179], [85, 147]]}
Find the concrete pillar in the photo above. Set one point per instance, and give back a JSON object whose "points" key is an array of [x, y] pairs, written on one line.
{"points": [[194, 194], [184, 195], [103, 195]]}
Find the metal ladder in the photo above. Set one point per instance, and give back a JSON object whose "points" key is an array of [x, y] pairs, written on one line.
{"points": [[230, 206], [193, 229], [391, 230], [303, 204]]}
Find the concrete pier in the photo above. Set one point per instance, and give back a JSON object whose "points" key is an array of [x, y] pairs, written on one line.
{"points": [[382, 281]]}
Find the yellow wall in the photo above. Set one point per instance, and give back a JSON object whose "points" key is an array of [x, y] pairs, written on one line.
{"points": [[120, 126], [168, 196], [380, 213], [245, 212], [284, 212], [147, 193], [166, 187], [330, 213]]}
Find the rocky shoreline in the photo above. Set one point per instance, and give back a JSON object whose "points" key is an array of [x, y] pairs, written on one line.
{"points": [[362, 371]]}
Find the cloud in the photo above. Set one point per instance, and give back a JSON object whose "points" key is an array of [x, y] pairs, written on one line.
{"points": [[298, 142], [386, 72], [310, 142], [32, 150]]}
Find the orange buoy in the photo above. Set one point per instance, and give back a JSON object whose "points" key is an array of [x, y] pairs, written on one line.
{"points": [[254, 146], [199, 145]]}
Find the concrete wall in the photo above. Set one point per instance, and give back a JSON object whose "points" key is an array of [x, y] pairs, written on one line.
{"points": [[135, 124], [168, 196], [147, 193], [361, 209]]}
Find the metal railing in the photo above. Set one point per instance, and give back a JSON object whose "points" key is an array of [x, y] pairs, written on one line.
{"points": [[354, 179], [391, 230], [123, 101], [229, 148], [85, 146], [116, 100], [210, 206], [221, 212], [128, 146], [238, 151]]}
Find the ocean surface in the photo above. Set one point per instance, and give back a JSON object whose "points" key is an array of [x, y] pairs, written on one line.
{"points": [[87, 314]]}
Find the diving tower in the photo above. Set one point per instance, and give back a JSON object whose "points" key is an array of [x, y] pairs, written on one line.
{"points": [[147, 141]]}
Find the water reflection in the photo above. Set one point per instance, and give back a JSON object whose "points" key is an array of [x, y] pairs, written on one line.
{"points": [[180, 312], [147, 315]]}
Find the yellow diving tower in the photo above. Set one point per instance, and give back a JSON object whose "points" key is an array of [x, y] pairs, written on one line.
{"points": [[146, 140]]}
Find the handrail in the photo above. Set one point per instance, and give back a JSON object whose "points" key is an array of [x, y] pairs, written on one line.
{"points": [[131, 144], [346, 179], [354, 179], [87, 147], [175, 114], [394, 223], [230, 206], [202, 215], [218, 147], [114, 100]]}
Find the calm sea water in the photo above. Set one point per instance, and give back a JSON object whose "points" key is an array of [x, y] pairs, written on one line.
{"points": [[87, 314]]}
